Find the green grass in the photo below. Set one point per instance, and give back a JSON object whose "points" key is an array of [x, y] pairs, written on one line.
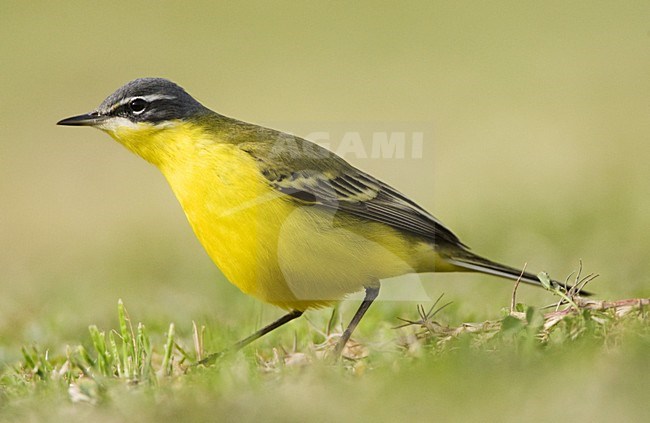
{"points": [[577, 361]]}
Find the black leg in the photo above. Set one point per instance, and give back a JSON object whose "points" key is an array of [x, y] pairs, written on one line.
{"points": [[260, 333], [371, 293], [266, 329]]}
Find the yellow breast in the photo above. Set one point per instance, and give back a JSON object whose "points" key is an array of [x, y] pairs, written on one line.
{"points": [[236, 216], [233, 212]]}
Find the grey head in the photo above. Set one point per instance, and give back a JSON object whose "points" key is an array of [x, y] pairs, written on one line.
{"points": [[150, 100]]}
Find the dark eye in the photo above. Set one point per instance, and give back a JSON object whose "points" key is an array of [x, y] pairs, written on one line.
{"points": [[138, 105]]}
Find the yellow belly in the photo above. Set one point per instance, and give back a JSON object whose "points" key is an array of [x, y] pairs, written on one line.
{"points": [[293, 256]]}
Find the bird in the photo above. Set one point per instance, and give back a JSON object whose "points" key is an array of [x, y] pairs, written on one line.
{"points": [[284, 219]]}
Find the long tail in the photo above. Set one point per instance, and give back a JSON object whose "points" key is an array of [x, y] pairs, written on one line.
{"points": [[472, 262]]}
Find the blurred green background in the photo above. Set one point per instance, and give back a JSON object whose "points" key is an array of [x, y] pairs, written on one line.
{"points": [[538, 151]]}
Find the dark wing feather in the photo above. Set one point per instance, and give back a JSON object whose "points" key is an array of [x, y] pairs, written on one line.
{"points": [[310, 174], [365, 197]]}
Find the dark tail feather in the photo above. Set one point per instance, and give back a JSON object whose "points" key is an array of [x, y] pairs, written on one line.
{"points": [[472, 262]]}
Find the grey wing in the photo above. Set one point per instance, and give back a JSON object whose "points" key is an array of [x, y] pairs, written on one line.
{"points": [[363, 196]]}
